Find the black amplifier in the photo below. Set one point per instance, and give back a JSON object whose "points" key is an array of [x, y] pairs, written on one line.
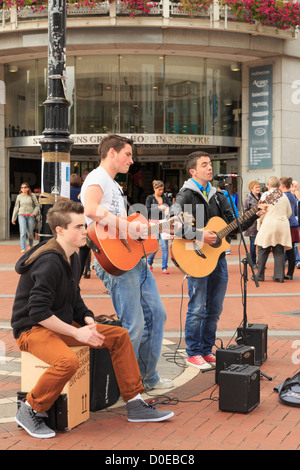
{"points": [[235, 354], [239, 388], [257, 336]]}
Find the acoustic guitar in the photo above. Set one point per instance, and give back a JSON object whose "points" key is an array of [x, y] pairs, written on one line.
{"points": [[199, 260], [117, 252]]}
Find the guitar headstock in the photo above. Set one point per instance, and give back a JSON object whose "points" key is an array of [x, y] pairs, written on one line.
{"points": [[187, 219], [274, 196]]}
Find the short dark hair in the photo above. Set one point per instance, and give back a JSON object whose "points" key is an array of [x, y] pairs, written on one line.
{"points": [[191, 160], [59, 214], [222, 185], [286, 181], [114, 141]]}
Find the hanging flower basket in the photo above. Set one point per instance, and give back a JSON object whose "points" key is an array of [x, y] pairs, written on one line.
{"points": [[276, 13]]}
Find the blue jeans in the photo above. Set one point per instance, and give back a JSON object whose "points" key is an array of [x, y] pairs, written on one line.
{"points": [[137, 302], [297, 254], [253, 249], [164, 253], [206, 296], [26, 226]]}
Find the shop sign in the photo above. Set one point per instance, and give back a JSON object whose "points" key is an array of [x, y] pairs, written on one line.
{"points": [[139, 140]]}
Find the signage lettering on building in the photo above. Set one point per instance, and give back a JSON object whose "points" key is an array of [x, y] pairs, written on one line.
{"points": [[15, 139], [260, 117]]}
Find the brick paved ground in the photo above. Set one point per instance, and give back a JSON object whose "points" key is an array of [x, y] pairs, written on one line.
{"points": [[198, 422]]}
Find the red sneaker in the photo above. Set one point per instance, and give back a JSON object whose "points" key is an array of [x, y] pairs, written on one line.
{"points": [[211, 359], [198, 361]]}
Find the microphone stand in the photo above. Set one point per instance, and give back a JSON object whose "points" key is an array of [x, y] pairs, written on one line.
{"points": [[246, 261]]}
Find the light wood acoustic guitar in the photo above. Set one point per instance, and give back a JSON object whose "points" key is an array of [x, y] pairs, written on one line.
{"points": [[117, 252], [199, 260]]}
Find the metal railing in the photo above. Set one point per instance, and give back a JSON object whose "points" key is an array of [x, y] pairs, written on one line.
{"points": [[163, 8], [219, 16]]}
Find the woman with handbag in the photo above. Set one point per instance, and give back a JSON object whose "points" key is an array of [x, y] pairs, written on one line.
{"points": [[26, 210]]}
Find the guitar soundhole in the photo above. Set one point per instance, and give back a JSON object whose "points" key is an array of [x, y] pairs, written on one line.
{"points": [[217, 243]]}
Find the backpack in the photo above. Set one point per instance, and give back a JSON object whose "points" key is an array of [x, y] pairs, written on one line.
{"points": [[289, 391]]}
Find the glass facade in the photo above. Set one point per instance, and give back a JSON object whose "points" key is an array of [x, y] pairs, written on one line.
{"points": [[130, 94]]}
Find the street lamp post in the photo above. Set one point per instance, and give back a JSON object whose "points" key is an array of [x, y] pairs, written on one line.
{"points": [[55, 143]]}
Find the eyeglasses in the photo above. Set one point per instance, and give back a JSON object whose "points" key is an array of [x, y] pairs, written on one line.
{"points": [[24, 187]]}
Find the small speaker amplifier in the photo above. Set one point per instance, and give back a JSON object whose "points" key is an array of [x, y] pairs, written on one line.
{"points": [[257, 336], [235, 354], [239, 388]]}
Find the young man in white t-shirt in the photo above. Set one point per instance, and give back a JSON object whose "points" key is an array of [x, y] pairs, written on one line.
{"points": [[134, 294]]}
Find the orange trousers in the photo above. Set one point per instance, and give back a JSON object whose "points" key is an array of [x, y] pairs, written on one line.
{"points": [[53, 349]]}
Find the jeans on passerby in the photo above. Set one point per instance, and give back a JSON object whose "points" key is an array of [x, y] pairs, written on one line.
{"points": [[206, 296], [297, 256], [253, 250], [26, 227], [138, 305], [164, 253]]}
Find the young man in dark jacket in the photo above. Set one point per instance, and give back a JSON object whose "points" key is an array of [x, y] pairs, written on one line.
{"points": [[206, 294], [49, 315]]}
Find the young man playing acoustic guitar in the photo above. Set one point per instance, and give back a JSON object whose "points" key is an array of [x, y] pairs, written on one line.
{"points": [[206, 294], [134, 293], [47, 303]]}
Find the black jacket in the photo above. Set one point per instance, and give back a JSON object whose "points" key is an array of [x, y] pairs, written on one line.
{"points": [[153, 208], [49, 285], [190, 199]]}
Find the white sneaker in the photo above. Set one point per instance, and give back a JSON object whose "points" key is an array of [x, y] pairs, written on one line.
{"points": [[164, 383]]}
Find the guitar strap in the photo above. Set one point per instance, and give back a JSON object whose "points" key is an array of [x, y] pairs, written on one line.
{"points": [[92, 245]]}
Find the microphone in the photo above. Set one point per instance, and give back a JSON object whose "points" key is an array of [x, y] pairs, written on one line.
{"points": [[220, 176]]}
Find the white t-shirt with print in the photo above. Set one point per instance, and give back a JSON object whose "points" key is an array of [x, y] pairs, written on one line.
{"points": [[113, 196]]}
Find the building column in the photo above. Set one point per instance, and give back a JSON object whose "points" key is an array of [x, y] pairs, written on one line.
{"points": [[4, 180]]}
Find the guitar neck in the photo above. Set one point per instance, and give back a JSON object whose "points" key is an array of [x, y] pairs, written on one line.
{"points": [[160, 227], [234, 224]]}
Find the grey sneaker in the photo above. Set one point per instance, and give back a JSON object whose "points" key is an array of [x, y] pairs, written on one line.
{"points": [[139, 411], [33, 422]]}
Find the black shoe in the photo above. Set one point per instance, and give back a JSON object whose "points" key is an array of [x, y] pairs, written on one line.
{"points": [[287, 276], [87, 275], [258, 278], [275, 279]]}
